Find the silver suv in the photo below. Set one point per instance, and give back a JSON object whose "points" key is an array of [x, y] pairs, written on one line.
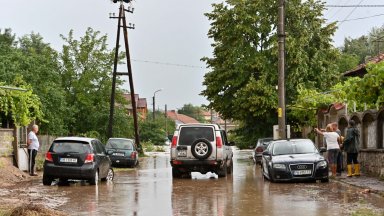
{"points": [[201, 148]]}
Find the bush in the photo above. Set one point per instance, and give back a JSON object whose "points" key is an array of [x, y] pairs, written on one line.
{"points": [[147, 146]]}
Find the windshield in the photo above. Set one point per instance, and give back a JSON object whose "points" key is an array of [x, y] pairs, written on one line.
{"points": [[294, 147], [120, 144], [70, 147]]}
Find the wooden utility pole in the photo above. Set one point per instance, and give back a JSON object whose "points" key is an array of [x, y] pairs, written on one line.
{"points": [[122, 23], [281, 69]]}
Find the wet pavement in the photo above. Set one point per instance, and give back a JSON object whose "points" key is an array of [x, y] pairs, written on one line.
{"points": [[150, 190]]}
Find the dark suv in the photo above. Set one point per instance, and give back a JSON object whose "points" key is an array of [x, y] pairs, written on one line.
{"points": [[200, 148], [77, 158]]}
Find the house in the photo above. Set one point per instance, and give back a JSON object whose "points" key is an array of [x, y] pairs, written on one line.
{"points": [[361, 70], [141, 105], [370, 123], [180, 118], [215, 118]]}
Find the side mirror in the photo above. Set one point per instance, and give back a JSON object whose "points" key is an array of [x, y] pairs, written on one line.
{"points": [[231, 143], [109, 152], [266, 153], [323, 149]]}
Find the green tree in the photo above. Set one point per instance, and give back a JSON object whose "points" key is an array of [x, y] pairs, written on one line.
{"points": [[195, 112], [22, 107], [156, 132], [243, 70], [365, 46], [86, 67], [347, 62], [36, 62]]}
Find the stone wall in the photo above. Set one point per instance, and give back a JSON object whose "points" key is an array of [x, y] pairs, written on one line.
{"points": [[370, 123], [372, 161]]}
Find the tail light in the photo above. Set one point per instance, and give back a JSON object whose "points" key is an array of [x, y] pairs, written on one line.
{"points": [[174, 141], [48, 157], [259, 149], [219, 142], [133, 155], [90, 158]]}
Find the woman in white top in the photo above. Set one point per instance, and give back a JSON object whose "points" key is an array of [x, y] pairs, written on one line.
{"points": [[333, 149]]}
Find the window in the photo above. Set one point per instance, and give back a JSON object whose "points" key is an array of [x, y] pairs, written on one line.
{"points": [[120, 144], [70, 147], [189, 134]]}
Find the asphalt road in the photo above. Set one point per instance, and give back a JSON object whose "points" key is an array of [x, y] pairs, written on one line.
{"points": [[150, 190]]}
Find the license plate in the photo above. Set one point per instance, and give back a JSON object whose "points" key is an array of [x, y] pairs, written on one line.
{"points": [[302, 172], [68, 160], [182, 153], [118, 154]]}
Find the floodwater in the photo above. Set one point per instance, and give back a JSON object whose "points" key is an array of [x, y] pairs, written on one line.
{"points": [[150, 190]]}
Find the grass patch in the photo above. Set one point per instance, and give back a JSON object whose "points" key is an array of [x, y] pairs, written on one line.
{"points": [[159, 149], [365, 212]]}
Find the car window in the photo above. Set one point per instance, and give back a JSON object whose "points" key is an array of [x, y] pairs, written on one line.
{"points": [[96, 147], [120, 144], [189, 134], [101, 146], [70, 146], [294, 147], [224, 137]]}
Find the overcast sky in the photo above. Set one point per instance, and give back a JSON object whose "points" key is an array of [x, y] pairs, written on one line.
{"points": [[167, 32]]}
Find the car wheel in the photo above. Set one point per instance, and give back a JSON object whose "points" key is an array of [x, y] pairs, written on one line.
{"points": [[95, 178], [176, 173], [109, 176], [271, 179], [201, 149], [325, 180], [47, 180], [223, 171], [230, 169]]}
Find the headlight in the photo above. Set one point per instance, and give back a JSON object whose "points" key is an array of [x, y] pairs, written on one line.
{"points": [[279, 166], [321, 164]]}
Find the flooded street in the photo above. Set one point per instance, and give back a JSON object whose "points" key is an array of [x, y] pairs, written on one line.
{"points": [[150, 190]]}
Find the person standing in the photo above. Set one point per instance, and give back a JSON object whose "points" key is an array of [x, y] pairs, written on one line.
{"points": [[33, 147], [339, 166], [333, 148], [351, 146]]}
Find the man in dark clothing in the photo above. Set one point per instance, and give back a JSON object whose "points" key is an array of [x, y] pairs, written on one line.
{"points": [[351, 146]]}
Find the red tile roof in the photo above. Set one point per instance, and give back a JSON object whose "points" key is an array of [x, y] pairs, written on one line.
{"points": [[360, 69], [181, 117]]}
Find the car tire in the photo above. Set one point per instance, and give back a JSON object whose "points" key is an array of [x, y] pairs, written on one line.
{"points": [[110, 175], [95, 178], [47, 181], [230, 169], [324, 180], [176, 173], [223, 171], [201, 149], [270, 177]]}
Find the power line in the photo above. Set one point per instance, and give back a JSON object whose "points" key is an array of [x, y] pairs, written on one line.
{"points": [[338, 10], [353, 10], [360, 18], [167, 63], [355, 6]]}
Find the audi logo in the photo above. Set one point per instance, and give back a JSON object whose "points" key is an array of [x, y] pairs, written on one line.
{"points": [[301, 166]]}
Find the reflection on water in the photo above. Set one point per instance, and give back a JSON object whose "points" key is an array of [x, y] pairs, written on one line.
{"points": [[150, 190]]}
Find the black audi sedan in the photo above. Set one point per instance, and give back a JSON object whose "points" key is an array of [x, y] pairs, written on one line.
{"points": [[295, 159], [77, 158]]}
